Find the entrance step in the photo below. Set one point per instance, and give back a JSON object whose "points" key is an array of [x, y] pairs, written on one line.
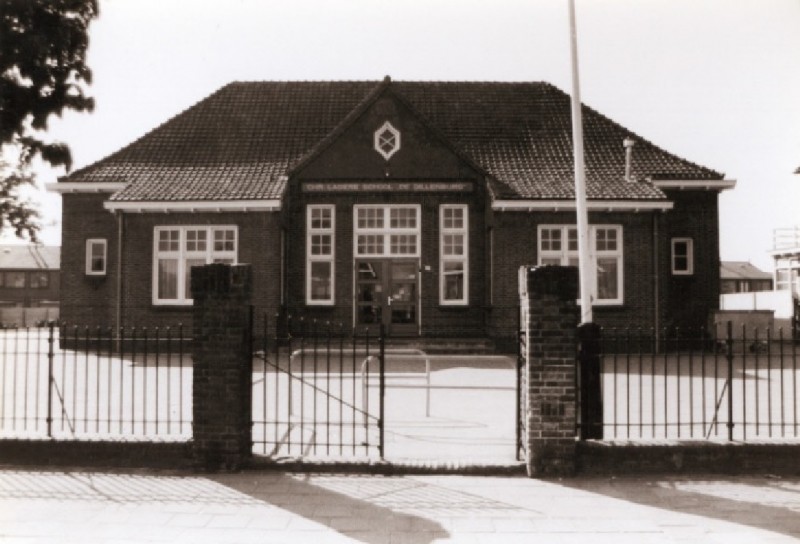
{"points": [[392, 467], [442, 346]]}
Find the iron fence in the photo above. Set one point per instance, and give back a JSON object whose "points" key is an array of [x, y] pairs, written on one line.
{"points": [[70, 382], [314, 389], [724, 384]]}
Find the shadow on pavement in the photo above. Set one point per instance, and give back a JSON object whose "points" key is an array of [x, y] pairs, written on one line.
{"points": [[365, 508], [767, 503], [355, 506]]}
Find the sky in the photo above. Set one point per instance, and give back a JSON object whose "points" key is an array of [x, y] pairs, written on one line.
{"points": [[716, 82]]}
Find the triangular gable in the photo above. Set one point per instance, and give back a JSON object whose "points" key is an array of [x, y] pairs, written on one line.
{"points": [[348, 151]]}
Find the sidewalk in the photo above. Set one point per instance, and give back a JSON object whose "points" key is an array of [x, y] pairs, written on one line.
{"points": [[92, 507]]}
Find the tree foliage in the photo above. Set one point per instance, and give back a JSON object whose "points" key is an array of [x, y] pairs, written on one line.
{"points": [[43, 72]]}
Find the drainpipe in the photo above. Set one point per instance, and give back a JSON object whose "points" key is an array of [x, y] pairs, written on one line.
{"points": [[282, 286], [120, 232], [656, 282]]}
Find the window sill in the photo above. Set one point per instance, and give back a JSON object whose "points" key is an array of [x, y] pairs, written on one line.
{"points": [[455, 307], [172, 306]]}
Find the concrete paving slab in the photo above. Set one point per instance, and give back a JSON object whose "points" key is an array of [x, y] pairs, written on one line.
{"points": [[62, 506]]}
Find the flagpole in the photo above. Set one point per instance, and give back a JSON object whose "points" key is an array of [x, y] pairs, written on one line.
{"points": [[584, 264]]}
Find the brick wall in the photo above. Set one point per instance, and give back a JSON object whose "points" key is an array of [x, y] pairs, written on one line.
{"points": [[423, 156], [223, 368], [436, 320], [551, 324], [689, 300], [515, 244], [87, 300]]}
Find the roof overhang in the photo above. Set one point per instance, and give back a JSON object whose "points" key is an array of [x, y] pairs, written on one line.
{"points": [[695, 184], [592, 205], [785, 252], [85, 187], [192, 206]]}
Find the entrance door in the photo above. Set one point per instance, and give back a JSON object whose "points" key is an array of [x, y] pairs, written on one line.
{"points": [[387, 293]]}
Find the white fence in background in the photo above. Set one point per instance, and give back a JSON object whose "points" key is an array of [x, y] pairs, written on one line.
{"points": [[778, 301]]}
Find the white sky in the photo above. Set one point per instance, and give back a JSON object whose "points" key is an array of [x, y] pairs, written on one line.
{"points": [[713, 81]]}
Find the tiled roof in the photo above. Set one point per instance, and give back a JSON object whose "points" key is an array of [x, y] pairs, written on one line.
{"points": [[741, 270], [30, 257], [240, 142]]}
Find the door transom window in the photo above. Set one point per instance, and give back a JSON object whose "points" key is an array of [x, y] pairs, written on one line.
{"points": [[386, 231]]}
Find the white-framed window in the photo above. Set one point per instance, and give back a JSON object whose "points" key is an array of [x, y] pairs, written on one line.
{"points": [[320, 232], [682, 256], [176, 249], [453, 254], [386, 230], [96, 256], [558, 244]]}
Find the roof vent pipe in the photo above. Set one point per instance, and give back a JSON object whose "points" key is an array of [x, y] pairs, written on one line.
{"points": [[628, 143]]}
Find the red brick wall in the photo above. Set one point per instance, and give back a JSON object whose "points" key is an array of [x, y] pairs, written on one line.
{"points": [[684, 301], [515, 245], [437, 320], [91, 301], [86, 300], [690, 299], [259, 245], [423, 156]]}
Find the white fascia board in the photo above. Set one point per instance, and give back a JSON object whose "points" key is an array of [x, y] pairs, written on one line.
{"points": [[593, 205], [785, 252], [85, 187], [695, 185], [268, 205]]}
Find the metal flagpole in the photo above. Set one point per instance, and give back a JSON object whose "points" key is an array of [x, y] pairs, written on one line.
{"points": [[584, 264]]}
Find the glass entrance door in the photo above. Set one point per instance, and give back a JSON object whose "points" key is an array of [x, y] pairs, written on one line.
{"points": [[386, 293]]}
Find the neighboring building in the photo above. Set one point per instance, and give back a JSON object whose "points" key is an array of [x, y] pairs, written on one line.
{"points": [[743, 277], [29, 284], [786, 252], [411, 204]]}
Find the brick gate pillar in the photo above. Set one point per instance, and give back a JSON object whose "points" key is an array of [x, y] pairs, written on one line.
{"points": [[222, 354], [551, 325]]}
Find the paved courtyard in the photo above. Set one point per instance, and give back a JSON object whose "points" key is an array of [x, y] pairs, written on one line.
{"points": [[270, 507]]}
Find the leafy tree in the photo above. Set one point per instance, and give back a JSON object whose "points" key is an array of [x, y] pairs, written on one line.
{"points": [[43, 71]]}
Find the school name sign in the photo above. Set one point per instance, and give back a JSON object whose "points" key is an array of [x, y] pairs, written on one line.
{"points": [[387, 187]]}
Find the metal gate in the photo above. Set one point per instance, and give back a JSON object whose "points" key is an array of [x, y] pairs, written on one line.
{"points": [[318, 389]]}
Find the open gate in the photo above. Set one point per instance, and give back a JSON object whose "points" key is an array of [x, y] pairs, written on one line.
{"points": [[314, 389]]}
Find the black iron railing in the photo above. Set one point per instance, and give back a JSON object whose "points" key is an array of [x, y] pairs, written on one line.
{"points": [[72, 382], [731, 383]]}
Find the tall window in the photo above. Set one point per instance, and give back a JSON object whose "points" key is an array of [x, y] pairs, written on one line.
{"points": [[682, 257], [320, 231], [96, 251], [178, 249], [453, 255], [558, 244], [382, 231]]}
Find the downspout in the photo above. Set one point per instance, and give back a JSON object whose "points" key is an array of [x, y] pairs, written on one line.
{"points": [[283, 268], [656, 283], [120, 229]]}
